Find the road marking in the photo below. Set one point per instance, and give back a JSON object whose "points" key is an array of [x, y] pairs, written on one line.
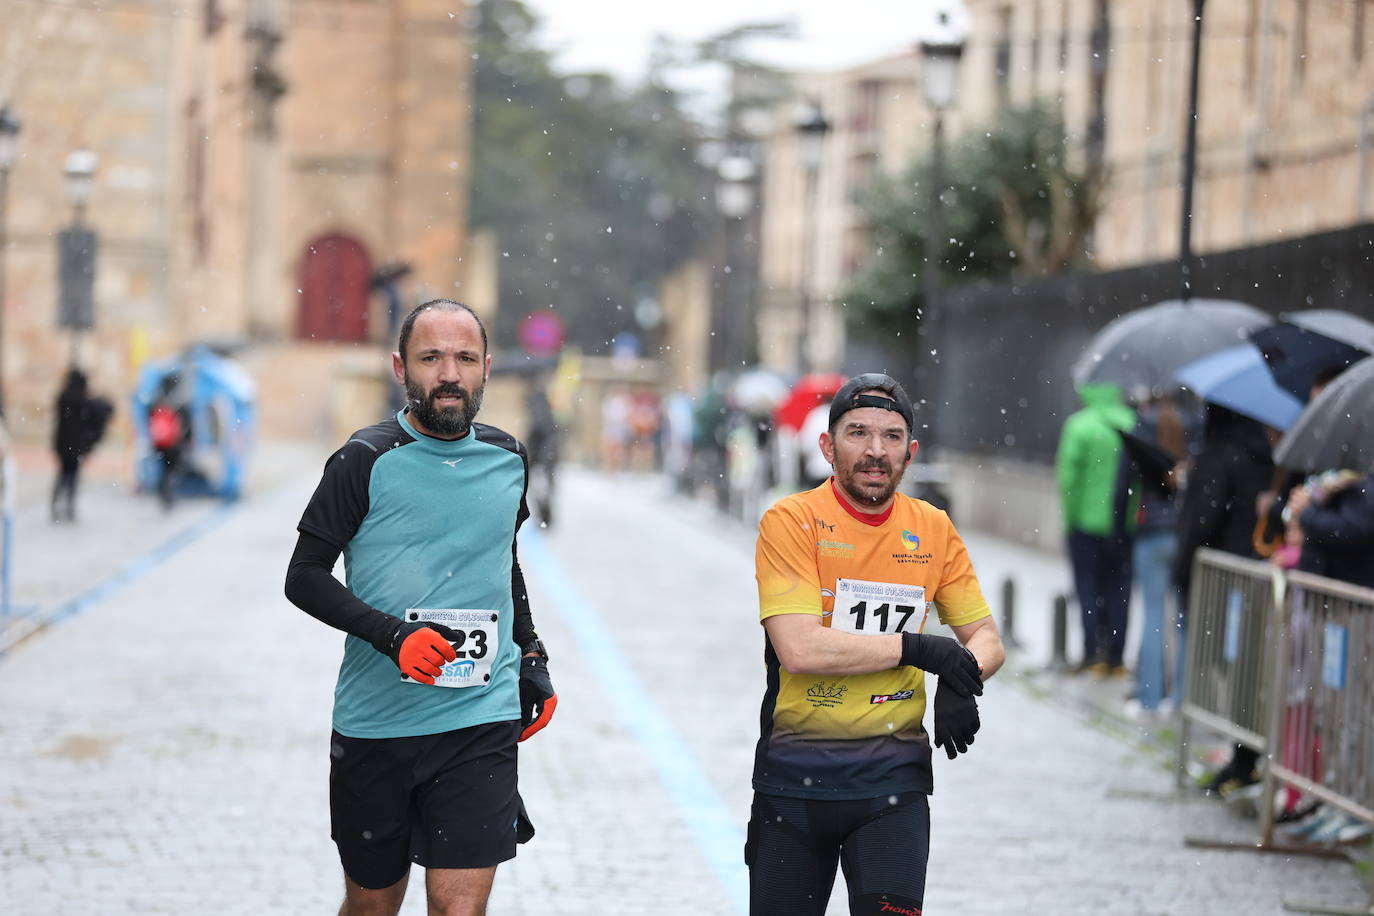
{"points": [[719, 839], [130, 574]]}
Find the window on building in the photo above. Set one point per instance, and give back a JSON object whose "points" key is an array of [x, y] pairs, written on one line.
{"points": [[1154, 74], [1357, 36], [1001, 57], [213, 17], [335, 281], [1300, 12], [1063, 35], [862, 170], [1252, 39], [864, 113], [196, 151]]}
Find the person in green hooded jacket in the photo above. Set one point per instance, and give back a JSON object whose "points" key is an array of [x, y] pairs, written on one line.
{"points": [[1099, 507]]}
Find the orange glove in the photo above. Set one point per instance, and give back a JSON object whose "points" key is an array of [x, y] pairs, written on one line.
{"points": [[420, 650], [537, 697]]}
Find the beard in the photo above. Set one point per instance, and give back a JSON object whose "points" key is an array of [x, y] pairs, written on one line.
{"points": [[444, 422], [872, 492]]}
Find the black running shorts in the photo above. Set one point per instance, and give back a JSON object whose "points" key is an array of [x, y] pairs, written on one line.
{"points": [[794, 845], [441, 801]]}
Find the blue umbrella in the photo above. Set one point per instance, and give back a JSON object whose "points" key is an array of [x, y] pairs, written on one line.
{"points": [[1238, 379], [1303, 345]]}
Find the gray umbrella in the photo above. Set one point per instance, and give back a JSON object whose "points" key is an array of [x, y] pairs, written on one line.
{"points": [[1148, 346], [1336, 430]]}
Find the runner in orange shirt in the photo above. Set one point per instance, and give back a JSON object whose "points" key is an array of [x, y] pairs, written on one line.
{"points": [[846, 574]]}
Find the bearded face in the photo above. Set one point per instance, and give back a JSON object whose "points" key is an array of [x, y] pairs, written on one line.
{"points": [[870, 479], [446, 410]]}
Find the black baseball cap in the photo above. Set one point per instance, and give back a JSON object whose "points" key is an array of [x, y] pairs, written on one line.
{"points": [[848, 398]]}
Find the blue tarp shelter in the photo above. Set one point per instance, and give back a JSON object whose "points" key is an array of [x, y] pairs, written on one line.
{"points": [[222, 399]]}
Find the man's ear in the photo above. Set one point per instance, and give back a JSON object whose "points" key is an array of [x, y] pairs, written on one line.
{"points": [[911, 452], [398, 368], [486, 374], [827, 443]]}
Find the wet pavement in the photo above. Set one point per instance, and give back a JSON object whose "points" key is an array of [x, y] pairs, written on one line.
{"points": [[166, 742]]}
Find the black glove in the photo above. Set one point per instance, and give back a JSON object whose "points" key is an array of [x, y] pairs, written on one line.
{"points": [[946, 658], [420, 650], [537, 699], [956, 719]]}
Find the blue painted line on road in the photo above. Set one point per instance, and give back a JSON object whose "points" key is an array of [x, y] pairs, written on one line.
{"points": [[140, 567], [719, 839]]}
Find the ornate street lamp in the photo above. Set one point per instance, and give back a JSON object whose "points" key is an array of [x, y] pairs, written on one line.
{"points": [[942, 47], [76, 251], [732, 341], [80, 172]]}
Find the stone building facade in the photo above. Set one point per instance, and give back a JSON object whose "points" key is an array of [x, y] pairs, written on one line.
{"points": [[260, 161], [814, 237], [1285, 111], [1285, 135]]}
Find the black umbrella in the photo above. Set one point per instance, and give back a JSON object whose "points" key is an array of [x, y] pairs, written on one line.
{"points": [[1335, 431], [1146, 347], [1304, 345]]}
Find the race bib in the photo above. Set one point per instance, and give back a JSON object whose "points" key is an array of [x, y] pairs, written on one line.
{"points": [[477, 645], [875, 608]]}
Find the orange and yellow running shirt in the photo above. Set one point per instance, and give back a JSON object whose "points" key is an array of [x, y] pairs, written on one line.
{"points": [[854, 736]]}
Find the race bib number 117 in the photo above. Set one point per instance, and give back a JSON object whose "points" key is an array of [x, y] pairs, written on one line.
{"points": [[875, 608]]}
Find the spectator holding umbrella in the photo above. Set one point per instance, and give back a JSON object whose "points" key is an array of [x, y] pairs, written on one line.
{"points": [[1160, 424], [1333, 519], [1232, 468], [1334, 512]]}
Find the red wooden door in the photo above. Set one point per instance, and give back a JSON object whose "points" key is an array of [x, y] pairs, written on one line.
{"points": [[335, 273]]}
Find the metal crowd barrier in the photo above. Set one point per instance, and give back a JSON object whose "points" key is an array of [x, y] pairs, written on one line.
{"points": [[1281, 663], [1227, 673]]}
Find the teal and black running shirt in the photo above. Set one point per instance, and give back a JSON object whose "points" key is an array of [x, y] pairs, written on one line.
{"points": [[426, 524]]}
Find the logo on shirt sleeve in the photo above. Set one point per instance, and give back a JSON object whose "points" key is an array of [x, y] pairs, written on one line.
{"points": [[891, 697]]}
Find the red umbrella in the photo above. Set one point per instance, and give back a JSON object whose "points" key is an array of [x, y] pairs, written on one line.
{"points": [[810, 391]]}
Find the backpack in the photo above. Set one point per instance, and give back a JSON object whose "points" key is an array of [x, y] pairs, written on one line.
{"points": [[164, 427], [96, 416]]}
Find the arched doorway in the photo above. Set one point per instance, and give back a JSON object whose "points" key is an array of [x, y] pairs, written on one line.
{"points": [[335, 277]]}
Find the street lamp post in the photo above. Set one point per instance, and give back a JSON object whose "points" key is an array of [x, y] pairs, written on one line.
{"points": [[811, 126], [941, 50], [77, 246], [733, 344], [9, 149], [1185, 253]]}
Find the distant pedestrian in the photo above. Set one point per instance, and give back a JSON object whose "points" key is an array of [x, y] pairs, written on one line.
{"points": [[170, 435], [1155, 543], [442, 672], [81, 422], [615, 430], [645, 418], [542, 443], [845, 573], [1218, 509], [1099, 505]]}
